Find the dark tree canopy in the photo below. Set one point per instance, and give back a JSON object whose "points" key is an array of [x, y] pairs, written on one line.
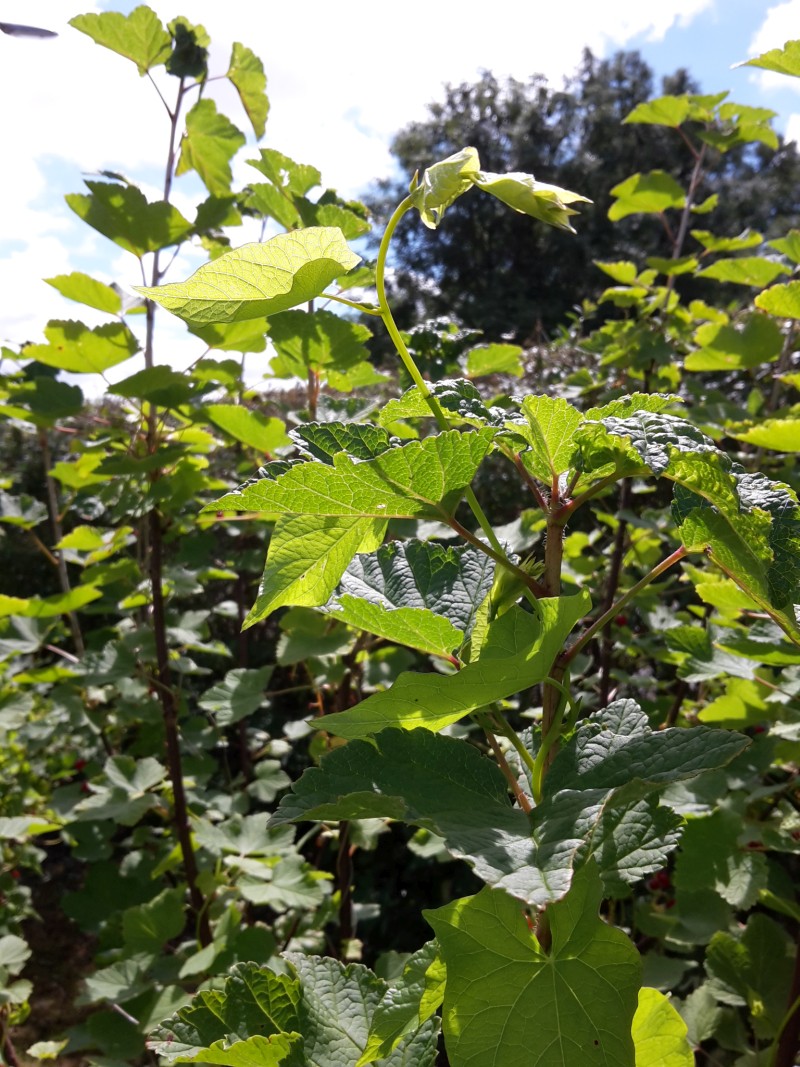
{"points": [[499, 272]]}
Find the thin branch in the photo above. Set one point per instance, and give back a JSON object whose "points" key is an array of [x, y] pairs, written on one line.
{"points": [[528, 580]]}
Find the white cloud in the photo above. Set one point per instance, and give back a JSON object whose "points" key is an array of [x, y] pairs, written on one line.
{"points": [[339, 86]]}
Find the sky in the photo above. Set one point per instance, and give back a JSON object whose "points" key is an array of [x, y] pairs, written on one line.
{"points": [[339, 84]]}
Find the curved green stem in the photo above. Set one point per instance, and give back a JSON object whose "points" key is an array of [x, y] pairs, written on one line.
{"points": [[385, 313], [364, 309]]}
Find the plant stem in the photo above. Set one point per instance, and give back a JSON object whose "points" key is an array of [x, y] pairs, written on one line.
{"points": [[413, 370], [788, 1040], [607, 616], [500, 558], [612, 585], [58, 533], [509, 775], [344, 883]]}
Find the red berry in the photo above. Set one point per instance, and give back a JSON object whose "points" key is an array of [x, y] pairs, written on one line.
{"points": [[79, 764], [85, 787], [621, 620], [16, 875]]}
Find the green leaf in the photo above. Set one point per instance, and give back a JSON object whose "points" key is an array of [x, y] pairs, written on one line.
{"points": [[724, 347], [74, 347], [253, 1002], [661, 111], [550, 434], [753, 969], [259, 279], [58, 604], [756, 271], [160, 385], [14, 953], [147, 927], [616, 745], [757, 544], [458, 398], [277, 1050], [646, 194], [407, 1004], [519, 652], [432, 588], [295, 178], [250, 427], [572, 1003], [318, 340], [121, 213], [138, 36], [322, 440], [789, 245], [336, 1011], [238, 695], [306, 558], [781, 300], [523, 193], [210, 142], [784, 60], [780, 435], [711, 858], [494, 359], [659, 1033], [746, 239], [190, 44], [624, 272], [439, 783], [423, 478], [442, 183], [86, 290], [246, 72], [248, 336], [351, 224]]}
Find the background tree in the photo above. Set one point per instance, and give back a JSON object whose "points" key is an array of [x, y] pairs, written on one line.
{"points": [[495, 271]]}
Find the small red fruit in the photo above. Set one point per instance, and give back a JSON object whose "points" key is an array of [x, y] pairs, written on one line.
{"points": [[621, 620], [79, 764]]}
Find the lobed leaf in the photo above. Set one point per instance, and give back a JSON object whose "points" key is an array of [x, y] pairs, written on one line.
{"points": [[139, 36], [556, 1007], [123, 214], [208, 145], [246, 73]]}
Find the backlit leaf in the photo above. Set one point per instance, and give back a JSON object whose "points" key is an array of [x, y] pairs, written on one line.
{"points": [[259, 279], [550, 433], [518, 653], [646, 194], [659, 1033], [494, 359], [138, 36], [250, 427], [318, 340], [210, 142], [74, 347], [756, 271], [87, 290], [246, 71], [661, 111], [548, 203], [781, 300], [123, 214], [784, 60], [442, 183]]}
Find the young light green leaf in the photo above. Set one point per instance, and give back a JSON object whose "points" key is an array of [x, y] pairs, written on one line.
{"points": [[661, 111], [523, 193], [781, 300], [746, 239], [259, 279], [779, 435], [246, 72], [138, 36], [572, 1003], [494, 359], [422, 479], [87, 290], [250, 427], [756, 271], [784, 60], [659, 1033], [725, 347], [306, 558], [74, 347], [646, 194], [415, 627], [549, 430], [210, 142], [284, 173], [442, 183], [519, 652], [122, 213]]}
